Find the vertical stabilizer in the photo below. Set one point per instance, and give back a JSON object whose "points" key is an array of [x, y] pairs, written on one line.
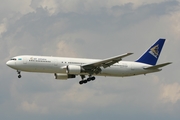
{"points": [[152, 54]]}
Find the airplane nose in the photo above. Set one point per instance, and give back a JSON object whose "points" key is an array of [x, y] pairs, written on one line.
{"points": [[7, 63], [10, 63]]}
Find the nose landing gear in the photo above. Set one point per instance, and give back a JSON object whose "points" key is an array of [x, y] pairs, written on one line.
{"points": [[19, 73]]}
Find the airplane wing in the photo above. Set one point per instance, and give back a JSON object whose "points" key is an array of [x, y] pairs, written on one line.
{"points": [[95, 67], [158, 66]]}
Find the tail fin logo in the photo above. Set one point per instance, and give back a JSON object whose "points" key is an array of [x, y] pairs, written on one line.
{"points": [[154, 51]]}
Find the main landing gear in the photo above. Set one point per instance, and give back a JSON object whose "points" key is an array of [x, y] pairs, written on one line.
{"points": [[83, 81], [19, 73]]}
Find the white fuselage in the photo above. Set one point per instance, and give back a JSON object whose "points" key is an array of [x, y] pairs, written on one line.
{"points": [[47, 64]]}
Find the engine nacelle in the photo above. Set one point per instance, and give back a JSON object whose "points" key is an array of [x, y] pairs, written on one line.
{"points": [[63, 76], [73, 69]]}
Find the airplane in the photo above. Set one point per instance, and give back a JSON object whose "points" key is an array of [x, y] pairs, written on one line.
{"points": [[64, 68]]}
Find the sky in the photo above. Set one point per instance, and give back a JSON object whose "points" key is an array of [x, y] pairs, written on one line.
{"points": [[89, 29]]}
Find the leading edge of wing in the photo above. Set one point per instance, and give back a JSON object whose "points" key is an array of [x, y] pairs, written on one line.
{"points": [[106, 62]]}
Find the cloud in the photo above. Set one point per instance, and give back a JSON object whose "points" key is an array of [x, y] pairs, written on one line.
{"points": [[3, 26], [174, 25], [65, 49], [87, 6], [51, 6], [170, 93], [91, 29], [32, 108], [10, 9]]}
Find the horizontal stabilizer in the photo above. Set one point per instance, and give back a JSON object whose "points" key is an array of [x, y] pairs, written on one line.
{"points": [[158, 66]]}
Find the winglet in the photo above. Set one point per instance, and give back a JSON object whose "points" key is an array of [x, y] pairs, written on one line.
{"points": [[152, 54]]}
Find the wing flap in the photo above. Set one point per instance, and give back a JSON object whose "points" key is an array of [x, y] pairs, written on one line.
{"points": [[157, 66]]}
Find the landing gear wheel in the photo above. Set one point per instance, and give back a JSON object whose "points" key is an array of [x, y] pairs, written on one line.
{"points": [[19, 76], [19, 73], [89, 79], [85, 81], [81, 82], [93, 78]]}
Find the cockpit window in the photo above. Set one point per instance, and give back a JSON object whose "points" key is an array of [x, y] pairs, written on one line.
{"points": [[13, 58]]}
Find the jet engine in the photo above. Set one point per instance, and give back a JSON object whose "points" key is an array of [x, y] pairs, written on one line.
{"points": [[74, 69], [63, 76]]}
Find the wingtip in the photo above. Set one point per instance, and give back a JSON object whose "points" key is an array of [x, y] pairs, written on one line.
{"points": [[169, 62], [130, 53]]}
